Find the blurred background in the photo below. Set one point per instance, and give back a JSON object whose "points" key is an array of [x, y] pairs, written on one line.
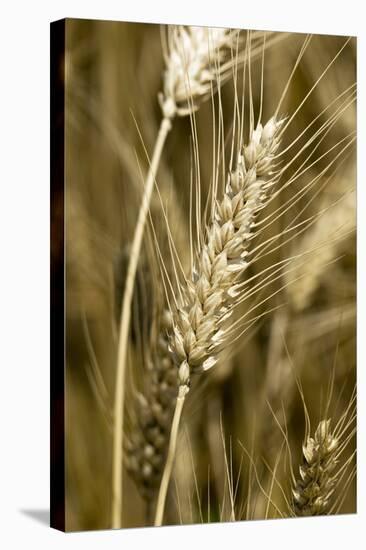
{"points": [[304, 341]]}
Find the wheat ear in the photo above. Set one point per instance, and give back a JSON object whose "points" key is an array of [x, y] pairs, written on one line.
{"points": [[208, 298], [188, 74], [195, 58], [317, 477], [146, 449]]}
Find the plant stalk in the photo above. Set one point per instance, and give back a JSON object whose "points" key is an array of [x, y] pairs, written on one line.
{"points": [[119, 398], [163, 490]]}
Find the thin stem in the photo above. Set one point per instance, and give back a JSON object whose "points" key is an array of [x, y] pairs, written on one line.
{"points": [[163, 490], [125, 324]]}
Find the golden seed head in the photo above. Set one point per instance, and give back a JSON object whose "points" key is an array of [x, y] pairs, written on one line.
{"points": [[212, 291]]}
